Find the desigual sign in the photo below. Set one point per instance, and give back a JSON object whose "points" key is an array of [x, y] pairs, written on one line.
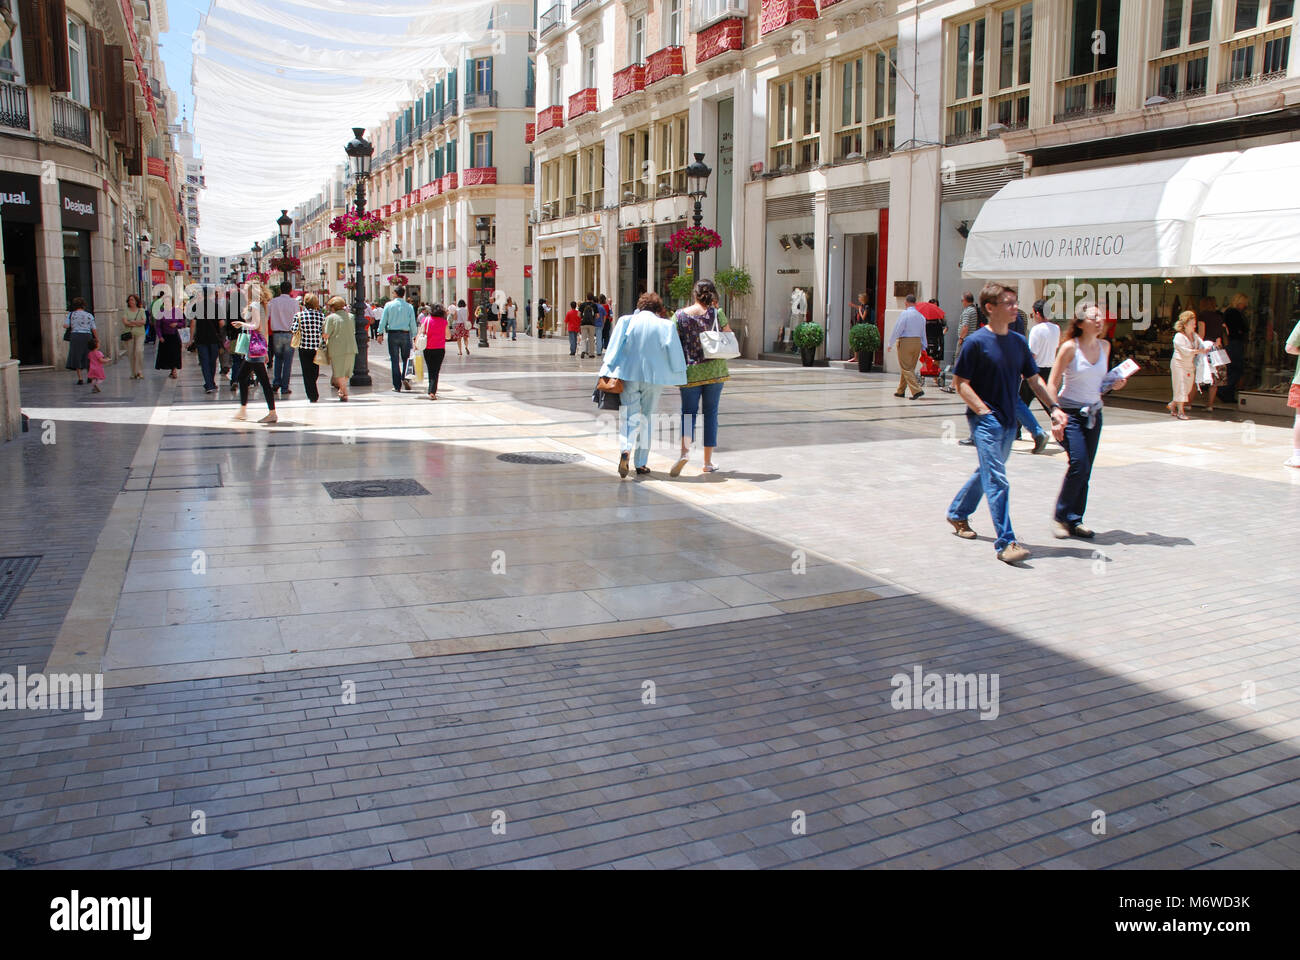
{"points": [[20, 198], [78, 206]]}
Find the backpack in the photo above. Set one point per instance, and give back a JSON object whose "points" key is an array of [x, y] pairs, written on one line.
{"points": [[588, 314]]}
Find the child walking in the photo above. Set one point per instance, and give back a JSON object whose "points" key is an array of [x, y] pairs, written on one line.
{"points": [[95, 361]]}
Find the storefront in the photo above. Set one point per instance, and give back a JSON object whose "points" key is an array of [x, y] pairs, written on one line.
{"points": [[20, 213], [633, 268], [1149, 240], [79, 209], [791, 268]]}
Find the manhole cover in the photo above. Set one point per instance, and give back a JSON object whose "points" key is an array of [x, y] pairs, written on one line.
{"points": [[344, 489], [541, 456], [14, 572]]}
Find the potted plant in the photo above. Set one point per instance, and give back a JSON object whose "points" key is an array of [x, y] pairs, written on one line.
{"points": [[681, 286], [734, 283], [808, 337], [864, 340]]}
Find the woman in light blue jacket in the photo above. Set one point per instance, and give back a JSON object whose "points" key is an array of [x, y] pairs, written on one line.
{"points": [[645, 352]]}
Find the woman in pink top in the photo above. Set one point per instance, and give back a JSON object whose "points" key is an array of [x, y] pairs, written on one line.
{"points": [[434, 328]]}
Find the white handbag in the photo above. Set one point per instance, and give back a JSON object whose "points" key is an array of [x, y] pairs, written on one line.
{"points": [[719, 344]]}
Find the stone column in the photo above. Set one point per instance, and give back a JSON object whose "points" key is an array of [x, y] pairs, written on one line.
{"points": [[10, 404]]}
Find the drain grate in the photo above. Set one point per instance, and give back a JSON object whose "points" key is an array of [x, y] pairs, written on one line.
{"points": [[347, 489], [541, 456], [14, 573]]}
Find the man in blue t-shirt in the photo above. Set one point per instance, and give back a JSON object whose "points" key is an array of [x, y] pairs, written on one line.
{"points": [[987, 377]]}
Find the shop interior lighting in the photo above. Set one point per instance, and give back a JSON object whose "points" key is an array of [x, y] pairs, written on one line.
{"points": [[785, 242], [798, 241]]}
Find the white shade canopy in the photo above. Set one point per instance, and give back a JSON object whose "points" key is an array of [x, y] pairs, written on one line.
{"points": [[1250, 219], [1133, 220]]}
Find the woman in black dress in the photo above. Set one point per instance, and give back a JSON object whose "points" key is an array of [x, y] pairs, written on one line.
{"points": [[170, 323]]}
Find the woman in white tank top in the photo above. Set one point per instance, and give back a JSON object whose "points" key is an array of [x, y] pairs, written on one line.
{"points": [[1081, 364]]}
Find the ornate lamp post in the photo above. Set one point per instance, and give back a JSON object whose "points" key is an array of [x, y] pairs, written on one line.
{"points": [[323, 289], [484, 227], [257, 256], [285, 223], [359, 151], [697, 178]]}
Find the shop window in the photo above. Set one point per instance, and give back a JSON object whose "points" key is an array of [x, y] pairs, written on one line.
{"points": [[670, 155], [592, 163], [1093, 53], [1260, 46], [1002, 38], [1181, 69], [634, 162]]}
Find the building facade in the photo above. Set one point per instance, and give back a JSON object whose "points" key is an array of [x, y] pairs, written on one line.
{"points": [[325, 258], [88, 178], [854, 143]]}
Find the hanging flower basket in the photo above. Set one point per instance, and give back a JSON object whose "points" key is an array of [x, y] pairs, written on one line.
{"points": [[350, 285], [254, 277], [693, 240], [398, 280], [349, 226], [286, 264], [482, 268]]}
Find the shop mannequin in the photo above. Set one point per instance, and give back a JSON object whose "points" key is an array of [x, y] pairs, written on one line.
{"points": [[798, 307]]}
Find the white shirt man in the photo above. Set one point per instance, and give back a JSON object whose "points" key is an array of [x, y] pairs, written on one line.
{"points": [[1044, 338]]}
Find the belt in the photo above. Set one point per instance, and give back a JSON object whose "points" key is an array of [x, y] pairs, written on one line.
{"points": [[1091, 412]]}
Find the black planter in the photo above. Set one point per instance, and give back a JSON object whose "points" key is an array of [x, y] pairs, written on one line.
{"points": [[864, 363], [808, 356]]}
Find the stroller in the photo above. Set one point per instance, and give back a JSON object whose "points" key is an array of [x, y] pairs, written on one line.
{"points": [[942, 376]]}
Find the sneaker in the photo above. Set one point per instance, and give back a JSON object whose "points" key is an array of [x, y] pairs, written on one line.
{"points": [[968, 442], [622, 465], [1060, 530], [963, 528], [899, 394], [1080, 530], [1013, 553], [1291, 461], [1040, 443], [918, 395]]}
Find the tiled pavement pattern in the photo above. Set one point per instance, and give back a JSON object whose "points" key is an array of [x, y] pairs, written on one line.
{"points": [[1121, 666]]}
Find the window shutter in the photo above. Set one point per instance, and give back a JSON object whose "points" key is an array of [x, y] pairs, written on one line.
{"points": [[490, 85], [57, 31], [471, 68], [115, 108], [489, 150], [36, 42], [95, 69], [451, 85], [451, 157]]}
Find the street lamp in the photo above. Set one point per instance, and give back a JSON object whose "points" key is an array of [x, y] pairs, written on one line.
{"points": [[484, 227], [359, 151], [322, 281], [285, 223], [697, 178], [257, 256]]}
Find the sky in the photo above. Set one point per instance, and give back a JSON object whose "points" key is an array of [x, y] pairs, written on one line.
{"points": [[182, 17]]}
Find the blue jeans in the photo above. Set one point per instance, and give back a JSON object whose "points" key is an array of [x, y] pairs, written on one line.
{"points": [[993, 444], [711, 393], [1025, 417], [635, 416], [236, 362], [1081, 439], [208, 353], [573, 342], [510, 325], [399, 348], [283, 354], [600, 339]]}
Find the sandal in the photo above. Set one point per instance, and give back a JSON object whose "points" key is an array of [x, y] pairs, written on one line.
{"points": [[676, 471], [710, 468], [1182, 416]]}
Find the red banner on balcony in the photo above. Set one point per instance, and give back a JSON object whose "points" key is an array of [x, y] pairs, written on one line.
{"points": [[629, 80], [158, 168], [397, 204], [668, 62], [449, 181], [584, 101], [388, 210], [429, 190], [530, 132], [722, 36], [550, 118], [780, 13], [479, 176]]}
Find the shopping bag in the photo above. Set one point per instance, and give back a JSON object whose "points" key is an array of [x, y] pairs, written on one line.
{"points": [[184, 334], [408, 371], [242, 344]]}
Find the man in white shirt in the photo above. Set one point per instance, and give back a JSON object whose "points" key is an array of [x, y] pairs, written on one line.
{"points": [[1044, 338], [282, 311]]}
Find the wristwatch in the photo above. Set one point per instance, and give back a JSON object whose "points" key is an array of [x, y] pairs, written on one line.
{"points": [[1055, 406]]}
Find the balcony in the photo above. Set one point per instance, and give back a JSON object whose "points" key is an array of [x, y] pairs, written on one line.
{"points": [[584, 6], [723, 36], [13, 106], [530, 132], [629, 80], [446, 112], [71, 120], [479, 176], [448, 182], [157, 167], [430, 190], [530, 97], [584, 101], [480, 100], [550, 118], [781, 13], [1257, 59], [552, 19], [664, 63], [1085, 96]]}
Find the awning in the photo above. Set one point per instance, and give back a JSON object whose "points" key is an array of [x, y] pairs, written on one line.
{"points": [[1133, 220], [1250, 219]]}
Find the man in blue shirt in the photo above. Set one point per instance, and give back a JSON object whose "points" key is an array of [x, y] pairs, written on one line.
{"points": [[398, 321], [987, 378], [909, 334]]}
